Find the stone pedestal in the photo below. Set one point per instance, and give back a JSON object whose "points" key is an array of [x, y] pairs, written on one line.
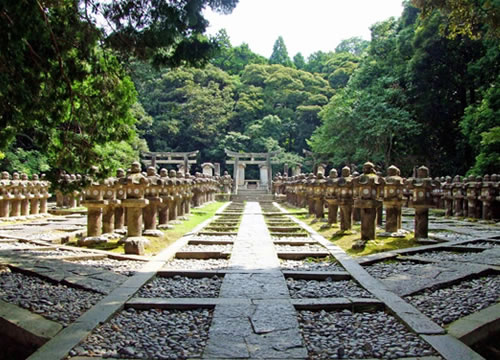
{"points": [[150, 212], [135, 243], [119, 209], [15, 205], [393, 216], [35, 204], [4, 206], [345, 215], [94, 221], [421, 222], [368, 209], [333, 207], [319, 207]]}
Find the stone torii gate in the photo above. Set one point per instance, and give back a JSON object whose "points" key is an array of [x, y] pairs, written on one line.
{"points": [[243, 159], [181, 159]]}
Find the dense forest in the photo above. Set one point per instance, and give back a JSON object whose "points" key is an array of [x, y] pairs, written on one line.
{"points": [[423, 90]]}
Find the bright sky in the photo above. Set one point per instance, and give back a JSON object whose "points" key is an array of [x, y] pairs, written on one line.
{"points": [[306, 25]]}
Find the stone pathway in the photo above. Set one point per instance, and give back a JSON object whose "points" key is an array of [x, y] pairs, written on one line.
{"points": [[261, 323]]}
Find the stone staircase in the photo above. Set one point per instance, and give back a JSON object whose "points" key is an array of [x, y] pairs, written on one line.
{"points": [[252, 195]]}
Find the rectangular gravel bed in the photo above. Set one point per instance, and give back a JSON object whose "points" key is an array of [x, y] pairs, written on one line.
{"points": [[328, 288], [299, 248], [385, 269], [209, 248], [324, 264], [347, 335], [448, 304], [150, 334], [196, 264], [56, 302], [122, 267], [181, 287]]}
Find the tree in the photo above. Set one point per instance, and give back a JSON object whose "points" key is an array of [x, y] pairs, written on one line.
{"points": [[299, 61], [61, 81], [280, 53], [354, 45], [465, 17]]}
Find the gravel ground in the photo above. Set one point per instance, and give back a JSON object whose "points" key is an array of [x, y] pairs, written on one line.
{"points": [[301, 248], [182, 287], [16, 245], [196, 264], [449, 236], [300, 289], [214, 237], [150, 334], [488, 244], [449, 304], [301, 265], [54, 253], [221, 248], [122, 267], [384, 270], [290, 238], [447, 255], [343, 334], [60, 303]]}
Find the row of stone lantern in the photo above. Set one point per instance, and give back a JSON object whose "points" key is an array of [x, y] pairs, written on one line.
{"points": [[144, 202], [474, 196], [366, 193], [21, 197], [72, 198]]}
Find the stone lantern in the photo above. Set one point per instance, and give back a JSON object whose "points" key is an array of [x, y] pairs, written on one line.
{"points": [[27, 195], [422, 201], [345, 199], [311, 179], [136, 185], [473, 194], [458, 196], [95, 203], [356, 212], [108, 212], [319, 189], [44, 194], [393, 199], [5, 195], [181, 194], [368, 189], [165, 199], [121, 194], [17, 192], [488, 194], [152, 194], [448, 196], [331, 196], [188, 194], [35, 195], [173, 190]]}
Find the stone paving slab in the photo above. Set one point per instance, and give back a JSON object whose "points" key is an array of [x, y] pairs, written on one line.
{"points": [[87, 277], [28, 328], [433, 275], [477, 326], [451, 348]]}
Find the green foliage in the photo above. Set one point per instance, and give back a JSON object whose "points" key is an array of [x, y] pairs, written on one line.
{"points": [[234, 59], [280, 53], [465, 17], [24, 161], [354, 45], [299, 61]]}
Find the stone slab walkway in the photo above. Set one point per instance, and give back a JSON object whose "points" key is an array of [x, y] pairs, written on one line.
{"points": [[263, 324]]}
